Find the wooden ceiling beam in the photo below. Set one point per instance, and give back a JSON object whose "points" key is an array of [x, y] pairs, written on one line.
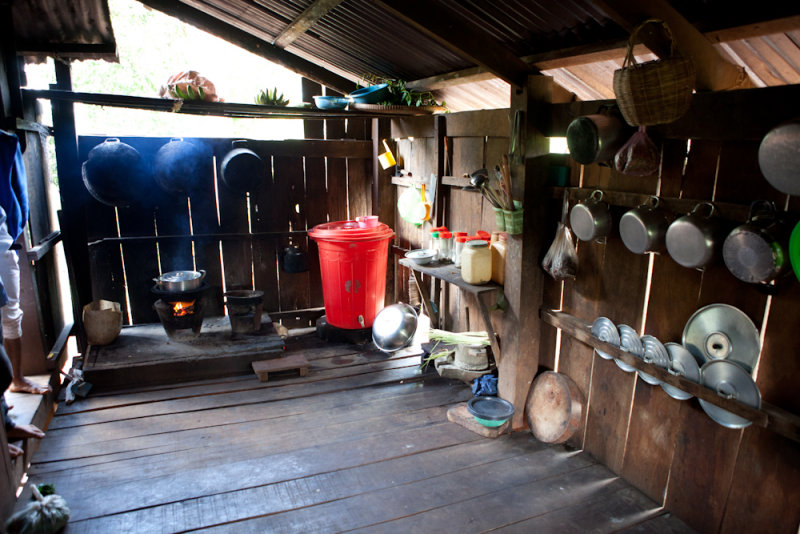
{"points": [[304, 22], [714, 72], [438, 23], [243, 39]]}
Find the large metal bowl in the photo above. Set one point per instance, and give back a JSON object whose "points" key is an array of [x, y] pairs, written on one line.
{"points": [[394, 327]]}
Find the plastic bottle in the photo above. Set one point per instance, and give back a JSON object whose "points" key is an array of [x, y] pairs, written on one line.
{"points": [[435, 244], [499, 258], [458, 249], [476, 262]]}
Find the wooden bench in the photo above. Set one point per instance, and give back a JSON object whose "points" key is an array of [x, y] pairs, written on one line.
{"points": [[263, 368]]}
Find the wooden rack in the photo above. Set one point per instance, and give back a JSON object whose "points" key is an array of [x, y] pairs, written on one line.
{"points": [[769, 416], [452, 275], [222, 109]]}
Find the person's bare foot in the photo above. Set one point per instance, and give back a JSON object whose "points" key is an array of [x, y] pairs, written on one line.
{"points": [[25, 431], [26, 386], [14, 451]]}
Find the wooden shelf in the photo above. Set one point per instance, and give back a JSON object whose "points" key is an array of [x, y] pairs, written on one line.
{"points": [[769, 416], [221, 109], [449, 273]]}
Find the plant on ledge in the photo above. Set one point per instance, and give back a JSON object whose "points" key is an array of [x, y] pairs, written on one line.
{"points": [[400, 95]]}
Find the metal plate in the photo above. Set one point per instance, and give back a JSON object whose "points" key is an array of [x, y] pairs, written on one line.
{"points": [[779, 157], [604, 329], [629, 342], [729, 381], [682, 363], [656, 353], [722, 332]]}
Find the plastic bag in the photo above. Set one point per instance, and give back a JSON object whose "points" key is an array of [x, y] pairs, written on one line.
{"points": [[639, 156], [561, 260]]}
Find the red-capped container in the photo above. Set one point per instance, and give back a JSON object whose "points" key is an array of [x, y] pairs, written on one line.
{"points": [[352, 263]]}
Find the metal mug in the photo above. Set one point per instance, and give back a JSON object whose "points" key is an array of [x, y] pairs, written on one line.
{"points": [[591, 219], [644, 228], [692, 239], [757, 251]]}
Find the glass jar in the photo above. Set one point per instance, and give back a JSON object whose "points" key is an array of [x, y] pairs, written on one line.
{"points": [[476, 262], [499, 258], [458, 248], [445, 246]]}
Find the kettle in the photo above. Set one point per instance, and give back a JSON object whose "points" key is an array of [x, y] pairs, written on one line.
{"points": [[294, 259]]}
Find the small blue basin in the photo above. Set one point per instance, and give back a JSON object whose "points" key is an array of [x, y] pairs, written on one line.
{"points": [[374, 94], [331, 102]]}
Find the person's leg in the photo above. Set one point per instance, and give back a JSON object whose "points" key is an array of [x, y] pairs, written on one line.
{"points": [[12, 322]]}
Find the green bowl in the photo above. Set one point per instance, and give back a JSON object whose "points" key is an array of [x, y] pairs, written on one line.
{"points": [[488, 422], [794, 250]]}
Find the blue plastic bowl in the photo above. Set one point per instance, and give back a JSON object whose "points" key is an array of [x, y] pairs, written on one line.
{"points": [[490, 411], [331, 102], [374, 94]]}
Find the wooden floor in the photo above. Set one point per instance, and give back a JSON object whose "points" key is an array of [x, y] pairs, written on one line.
{"points": [[362, 443]]}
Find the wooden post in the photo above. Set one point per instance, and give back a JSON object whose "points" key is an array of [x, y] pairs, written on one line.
{"points": [[384, 195], [73, 199], [520, 328]]}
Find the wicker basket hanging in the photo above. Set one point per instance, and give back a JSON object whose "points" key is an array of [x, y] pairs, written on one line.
{"points": [[656, 92]]}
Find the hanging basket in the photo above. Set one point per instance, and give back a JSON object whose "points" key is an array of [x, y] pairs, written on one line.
{"points": [[656, 92]]}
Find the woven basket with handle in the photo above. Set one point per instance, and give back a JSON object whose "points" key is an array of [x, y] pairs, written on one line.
{"points": [[656, 92]]}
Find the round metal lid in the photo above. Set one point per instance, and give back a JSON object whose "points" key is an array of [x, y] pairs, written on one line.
{"points": [[581, 221], [732, 382], [682, 363], [604, 329], [722, 332], [633, 232], [779, 157], [656, 353], [629, 342], [750, 258]]}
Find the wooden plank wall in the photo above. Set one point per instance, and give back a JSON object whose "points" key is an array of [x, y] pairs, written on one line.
{"points": [[332, 183], [475, 140], [716, 479]]}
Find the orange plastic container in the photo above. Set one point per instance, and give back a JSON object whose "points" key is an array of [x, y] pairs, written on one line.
{"points": [[352, 263]]}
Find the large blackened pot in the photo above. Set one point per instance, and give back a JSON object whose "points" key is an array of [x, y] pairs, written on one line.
{"points": [[242, 169], [179, 165], [115, 174]]}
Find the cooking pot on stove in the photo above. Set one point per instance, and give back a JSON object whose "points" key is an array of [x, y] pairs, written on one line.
{"points": [[179, 281], [757, 251], [242, 169]]}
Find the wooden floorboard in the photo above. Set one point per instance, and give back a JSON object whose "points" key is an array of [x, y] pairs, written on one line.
{"points": [[360, 444]]}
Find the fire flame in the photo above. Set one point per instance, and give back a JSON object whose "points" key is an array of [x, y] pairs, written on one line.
{"points": [[179, 309]]}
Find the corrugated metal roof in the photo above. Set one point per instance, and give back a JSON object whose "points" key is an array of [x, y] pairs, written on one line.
{"points": [[357, 37], [78, 29]]}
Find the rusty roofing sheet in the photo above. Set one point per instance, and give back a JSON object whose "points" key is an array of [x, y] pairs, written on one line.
{"points": [[73, 29]]}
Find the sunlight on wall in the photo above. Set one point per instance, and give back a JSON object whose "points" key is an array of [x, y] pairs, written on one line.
{"points": [[151, 47]]}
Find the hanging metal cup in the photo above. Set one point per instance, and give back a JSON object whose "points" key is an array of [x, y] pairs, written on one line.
{"points": [[644, 229], [692, 239], [757, 251], [591, 219]]}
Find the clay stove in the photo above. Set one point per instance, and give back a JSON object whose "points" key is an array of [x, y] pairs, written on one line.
{"points": [[181, 311]]}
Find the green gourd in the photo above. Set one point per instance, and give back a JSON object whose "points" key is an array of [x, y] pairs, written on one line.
{"points": [[45, 515]]}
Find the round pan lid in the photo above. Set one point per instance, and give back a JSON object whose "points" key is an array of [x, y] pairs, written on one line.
{"points": [[349, 231], [732, 382], [722, 332]]}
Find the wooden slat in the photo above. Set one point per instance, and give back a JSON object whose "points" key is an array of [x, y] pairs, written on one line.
{"points": [[304, 22], [288, 209], [232, 206]]}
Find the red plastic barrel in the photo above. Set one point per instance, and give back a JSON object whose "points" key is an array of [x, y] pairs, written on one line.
{"points": [[352, 262]]}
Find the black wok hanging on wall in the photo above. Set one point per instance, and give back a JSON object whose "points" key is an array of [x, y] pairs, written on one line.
{"points": [[242, 169], [180, 164], [115, 174]]}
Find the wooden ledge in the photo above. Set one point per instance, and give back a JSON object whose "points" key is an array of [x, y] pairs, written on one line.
{"points": [[769, 416]]}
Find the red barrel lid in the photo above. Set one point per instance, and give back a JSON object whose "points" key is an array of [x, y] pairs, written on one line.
{"points": [[349, 231]]}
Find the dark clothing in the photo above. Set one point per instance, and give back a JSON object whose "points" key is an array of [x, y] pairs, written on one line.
{"points": [[6, 374]]}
